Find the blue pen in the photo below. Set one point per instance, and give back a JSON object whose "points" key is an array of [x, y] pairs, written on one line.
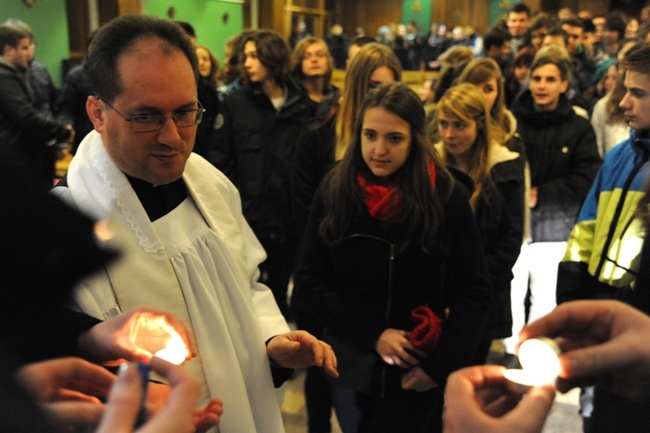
{"points": [[143, 372]]}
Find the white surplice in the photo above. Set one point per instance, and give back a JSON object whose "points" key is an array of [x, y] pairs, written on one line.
{"points": [[200, 262]]}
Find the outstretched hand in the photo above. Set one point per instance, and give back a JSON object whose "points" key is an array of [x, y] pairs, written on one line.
{"points": [[299, 349]]}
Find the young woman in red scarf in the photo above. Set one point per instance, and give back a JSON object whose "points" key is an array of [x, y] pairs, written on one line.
{"points": [[389, 233]]}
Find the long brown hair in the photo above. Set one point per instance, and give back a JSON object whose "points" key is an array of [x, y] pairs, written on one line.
{"points": [[466, 103], [479, 71], [357, 85], [420, 201], [299, 52]]}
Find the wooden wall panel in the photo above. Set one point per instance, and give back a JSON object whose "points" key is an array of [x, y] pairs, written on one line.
{"points": [[271, 15], [369, 14]]}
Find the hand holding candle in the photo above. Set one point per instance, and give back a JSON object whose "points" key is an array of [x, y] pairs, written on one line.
{"points": [[135, 336], [158, 336]]}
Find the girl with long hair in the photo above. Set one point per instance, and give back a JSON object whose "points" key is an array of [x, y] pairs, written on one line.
{"points": [[486, 74], [391, 236], [323, 143], [209, 97], [312, 68], [469, 144]]}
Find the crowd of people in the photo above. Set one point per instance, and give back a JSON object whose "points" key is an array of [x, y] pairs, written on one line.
{"points": [[402, 233]]}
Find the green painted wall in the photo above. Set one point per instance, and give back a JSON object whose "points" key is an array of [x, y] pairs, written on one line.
{"points": [[50, 26], [418, 11], [497, 10], [206, 16]]}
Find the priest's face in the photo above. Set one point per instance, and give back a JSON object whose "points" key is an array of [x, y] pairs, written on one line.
{"points": [[154, 81]]}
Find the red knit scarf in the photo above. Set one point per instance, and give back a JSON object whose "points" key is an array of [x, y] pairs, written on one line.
{"points": [[382, 200]]}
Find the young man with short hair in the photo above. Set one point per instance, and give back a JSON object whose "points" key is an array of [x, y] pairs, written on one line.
{"points": [[254, 142], [583, 67], [26, 135], [564, 159], [517, 21], [496, 45]]}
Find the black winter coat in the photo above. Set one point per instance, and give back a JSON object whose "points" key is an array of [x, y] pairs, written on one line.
{"points": [[254, 146], [72, 105], [24, 132], [563, 159], [361, 286], [313, 159], [500, 219], [209, 98]]}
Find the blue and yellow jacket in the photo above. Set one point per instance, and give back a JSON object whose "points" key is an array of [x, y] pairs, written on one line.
{"points": [[604, 247]]}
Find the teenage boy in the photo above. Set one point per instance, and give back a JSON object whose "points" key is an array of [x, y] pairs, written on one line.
{"points": [[564, 159], [604, 249]]}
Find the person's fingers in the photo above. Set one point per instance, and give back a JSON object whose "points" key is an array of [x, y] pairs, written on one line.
{"points": [[331, 363], [48, 377], [502, 403], [178, 413], [530, 413], [591, 318], [592, 361], [76, 413], [72, 395], [209, 416], [123, 403]]}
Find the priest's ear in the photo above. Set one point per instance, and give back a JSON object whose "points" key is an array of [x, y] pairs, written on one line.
{"points": [[96, 109]]}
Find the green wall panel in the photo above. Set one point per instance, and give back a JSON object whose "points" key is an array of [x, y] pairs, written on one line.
{"points": [[50, 26], [418, 11], [206, 16]]}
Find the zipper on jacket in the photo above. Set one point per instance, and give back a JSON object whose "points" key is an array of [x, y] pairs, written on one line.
{"points": [[389, 303]]}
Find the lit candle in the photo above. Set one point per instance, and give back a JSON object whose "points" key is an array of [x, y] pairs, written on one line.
{"points": [[175, 351], [539, 361]]}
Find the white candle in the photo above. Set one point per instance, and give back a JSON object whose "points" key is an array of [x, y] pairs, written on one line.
{"points": [[539, 361]]}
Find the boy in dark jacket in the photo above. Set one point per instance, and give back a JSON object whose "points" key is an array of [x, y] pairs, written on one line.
{"points": [[256, 136], [563, 158]]}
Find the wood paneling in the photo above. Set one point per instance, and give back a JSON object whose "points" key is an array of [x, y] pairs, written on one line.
{"points": [[78, 28], [369, 14], [271, 15]]}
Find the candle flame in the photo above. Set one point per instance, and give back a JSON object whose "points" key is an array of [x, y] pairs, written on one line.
{"points": [[175, 351], [156, 335]]}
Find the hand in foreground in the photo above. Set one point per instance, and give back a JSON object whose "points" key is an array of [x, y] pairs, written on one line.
{"points": [[133, 336], [416, 379], [477, 399], [299, 349], [395, 349], [204, 418], [177, 416], [602, 343], [70, 389]]}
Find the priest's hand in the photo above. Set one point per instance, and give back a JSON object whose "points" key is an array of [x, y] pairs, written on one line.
{"points": [[299, 349]]}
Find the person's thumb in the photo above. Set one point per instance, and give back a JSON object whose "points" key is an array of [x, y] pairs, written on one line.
{"points": [[533, 408], [123, 402]]}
